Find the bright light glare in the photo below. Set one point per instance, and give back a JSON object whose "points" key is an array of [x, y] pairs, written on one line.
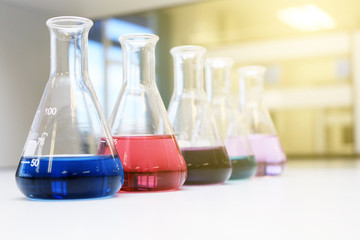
{"points": [[117, 27], [306, 18]]}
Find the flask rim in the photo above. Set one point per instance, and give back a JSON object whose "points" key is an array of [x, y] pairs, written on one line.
{"points": [[139, 37], [219, 61], [188, 48], [69, 22]]}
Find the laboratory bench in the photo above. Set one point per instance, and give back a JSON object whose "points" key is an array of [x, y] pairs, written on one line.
{"points": [[313, 199]]}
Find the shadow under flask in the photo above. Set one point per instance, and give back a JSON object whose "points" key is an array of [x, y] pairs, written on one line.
{"points": [[193, 121], [232, 130], [139, 123], [263, 137], [64, 154]]}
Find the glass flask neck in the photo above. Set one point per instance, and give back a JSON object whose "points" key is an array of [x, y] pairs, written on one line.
{"points": [[188, 68], [138, 59], [251, 85], [218, 76], [69, 40]]}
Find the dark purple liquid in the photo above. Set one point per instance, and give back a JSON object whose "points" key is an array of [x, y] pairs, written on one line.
{"points": [[207, 165]]}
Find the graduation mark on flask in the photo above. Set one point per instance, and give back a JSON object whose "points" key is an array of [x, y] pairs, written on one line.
{"points": [[50, 111]]}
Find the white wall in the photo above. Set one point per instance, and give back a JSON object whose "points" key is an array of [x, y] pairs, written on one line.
{"points": [[24, 70]]}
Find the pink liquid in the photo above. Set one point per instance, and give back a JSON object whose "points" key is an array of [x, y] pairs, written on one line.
{"points": [[268, 153], [237, 146], [151, 162]]}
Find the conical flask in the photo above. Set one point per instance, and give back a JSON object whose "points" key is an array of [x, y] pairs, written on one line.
{"points": [[193, 121], [139, 123], [64, 156], [232, 131], [255, 116]]}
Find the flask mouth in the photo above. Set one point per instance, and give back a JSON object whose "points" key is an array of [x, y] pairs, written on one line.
{"points": [[252, 70], [69, 22], [188, 49], [219, 62], [139, 37]]}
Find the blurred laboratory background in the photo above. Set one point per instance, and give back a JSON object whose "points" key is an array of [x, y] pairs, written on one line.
{"points": [[311, 49]]}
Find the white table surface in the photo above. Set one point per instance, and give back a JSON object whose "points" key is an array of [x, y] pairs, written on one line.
{"points": [[312, 200]]}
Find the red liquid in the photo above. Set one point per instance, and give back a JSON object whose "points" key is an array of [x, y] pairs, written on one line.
{"points": [[151, 162]]}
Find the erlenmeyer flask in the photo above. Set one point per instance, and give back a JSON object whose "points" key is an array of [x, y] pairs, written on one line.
{"points": [[193, 121], [232, 131], [139, 123], [263, 138], [64, 156]]}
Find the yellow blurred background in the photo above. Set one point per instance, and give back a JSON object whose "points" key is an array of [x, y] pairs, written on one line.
{"points": [[307, 47], [311, 49]]}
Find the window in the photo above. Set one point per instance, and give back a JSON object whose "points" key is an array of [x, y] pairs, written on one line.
{"points": [[105, 56]]}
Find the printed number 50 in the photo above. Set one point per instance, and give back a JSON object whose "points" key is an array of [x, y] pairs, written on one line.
{"points": [[34, 162]]}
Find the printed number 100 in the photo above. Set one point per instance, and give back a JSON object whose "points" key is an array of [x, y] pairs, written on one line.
{"points": [[50, 111]]}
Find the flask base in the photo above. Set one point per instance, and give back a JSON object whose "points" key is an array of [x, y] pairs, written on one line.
{"points": [[243, 167], [69, 187], [207, 165], [269, 169], [207, 176], [153, 181]]}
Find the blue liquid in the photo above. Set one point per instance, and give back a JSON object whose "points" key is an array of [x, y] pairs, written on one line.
{"points": [[70, 177]]}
